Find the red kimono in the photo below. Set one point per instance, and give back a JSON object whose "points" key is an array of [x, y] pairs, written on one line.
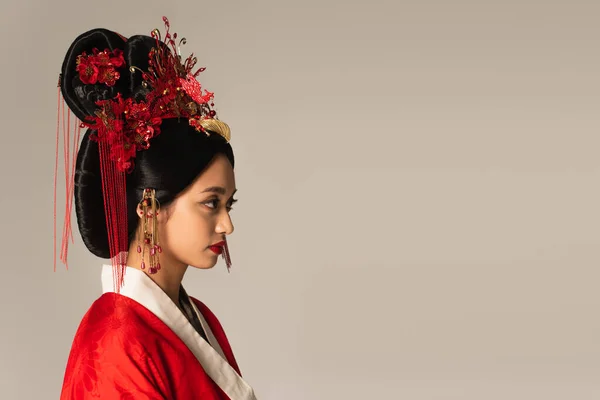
{"points": [[139, 345]]}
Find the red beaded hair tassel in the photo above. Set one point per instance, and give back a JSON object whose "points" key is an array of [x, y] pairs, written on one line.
{"points": [[149, 232]]}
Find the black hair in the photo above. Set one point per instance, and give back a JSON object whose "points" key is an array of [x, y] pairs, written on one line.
{"points": [[175, 158]]}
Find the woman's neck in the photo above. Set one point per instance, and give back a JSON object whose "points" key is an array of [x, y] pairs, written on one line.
{"points": [[168, 278]]}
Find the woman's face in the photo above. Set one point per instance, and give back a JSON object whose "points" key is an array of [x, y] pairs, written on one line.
{"points": [[199, 217]]}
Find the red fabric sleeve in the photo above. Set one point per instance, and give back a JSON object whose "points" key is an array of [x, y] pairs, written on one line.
{"points": [[107, 360]]}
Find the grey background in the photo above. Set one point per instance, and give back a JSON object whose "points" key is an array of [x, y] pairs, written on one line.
{"points": [[418, 184]]}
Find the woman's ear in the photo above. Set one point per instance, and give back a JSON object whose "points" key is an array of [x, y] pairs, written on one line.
{"points": [[139, 211]]}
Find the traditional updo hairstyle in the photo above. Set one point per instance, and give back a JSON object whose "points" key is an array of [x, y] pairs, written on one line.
{"points": [[175, 158]]}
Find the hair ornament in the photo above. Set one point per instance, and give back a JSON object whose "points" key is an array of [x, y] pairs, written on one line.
{"points": [[127, 125]]}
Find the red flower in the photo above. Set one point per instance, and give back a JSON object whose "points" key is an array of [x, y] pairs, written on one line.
{"points": [[100, 58], [137, 111], [100, 67], [117, 59], [141, 125], [88, 72], [108, 76]]}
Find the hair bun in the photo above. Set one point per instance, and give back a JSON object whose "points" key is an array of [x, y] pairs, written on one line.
{"points": [[81, 97], [89, 201]]}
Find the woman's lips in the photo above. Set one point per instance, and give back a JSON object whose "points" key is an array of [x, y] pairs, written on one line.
{"points": [[217, 248]]}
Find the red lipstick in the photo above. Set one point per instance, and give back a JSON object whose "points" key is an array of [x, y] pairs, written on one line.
{"points": [[217, 248]]}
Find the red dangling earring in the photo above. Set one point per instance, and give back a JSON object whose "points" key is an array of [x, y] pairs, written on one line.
{"points": [[149, 231], [227, 255]]}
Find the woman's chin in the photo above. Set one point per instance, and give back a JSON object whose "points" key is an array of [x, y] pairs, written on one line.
{"points": [[205, 264]]}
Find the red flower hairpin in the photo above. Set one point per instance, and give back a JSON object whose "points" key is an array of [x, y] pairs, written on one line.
{"points": [[100, 66]]}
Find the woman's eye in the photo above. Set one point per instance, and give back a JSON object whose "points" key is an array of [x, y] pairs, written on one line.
{"points": [[215, 203]]}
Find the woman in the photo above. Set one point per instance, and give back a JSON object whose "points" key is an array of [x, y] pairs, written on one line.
{"points": [[153, 186]]}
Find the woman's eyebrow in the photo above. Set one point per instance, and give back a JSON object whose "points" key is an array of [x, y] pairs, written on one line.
{"points": [[217, 189]]}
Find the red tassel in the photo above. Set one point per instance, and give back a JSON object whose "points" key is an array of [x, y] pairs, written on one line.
{"points": [[113, 188], [115, 208], [66, 143], [56, 166], [69, 157]]}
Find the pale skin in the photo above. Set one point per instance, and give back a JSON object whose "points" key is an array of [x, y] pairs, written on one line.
{"points": [[196, 219]]}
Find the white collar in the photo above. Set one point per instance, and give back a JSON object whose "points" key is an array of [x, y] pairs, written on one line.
{"points": [[141, 288]]}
